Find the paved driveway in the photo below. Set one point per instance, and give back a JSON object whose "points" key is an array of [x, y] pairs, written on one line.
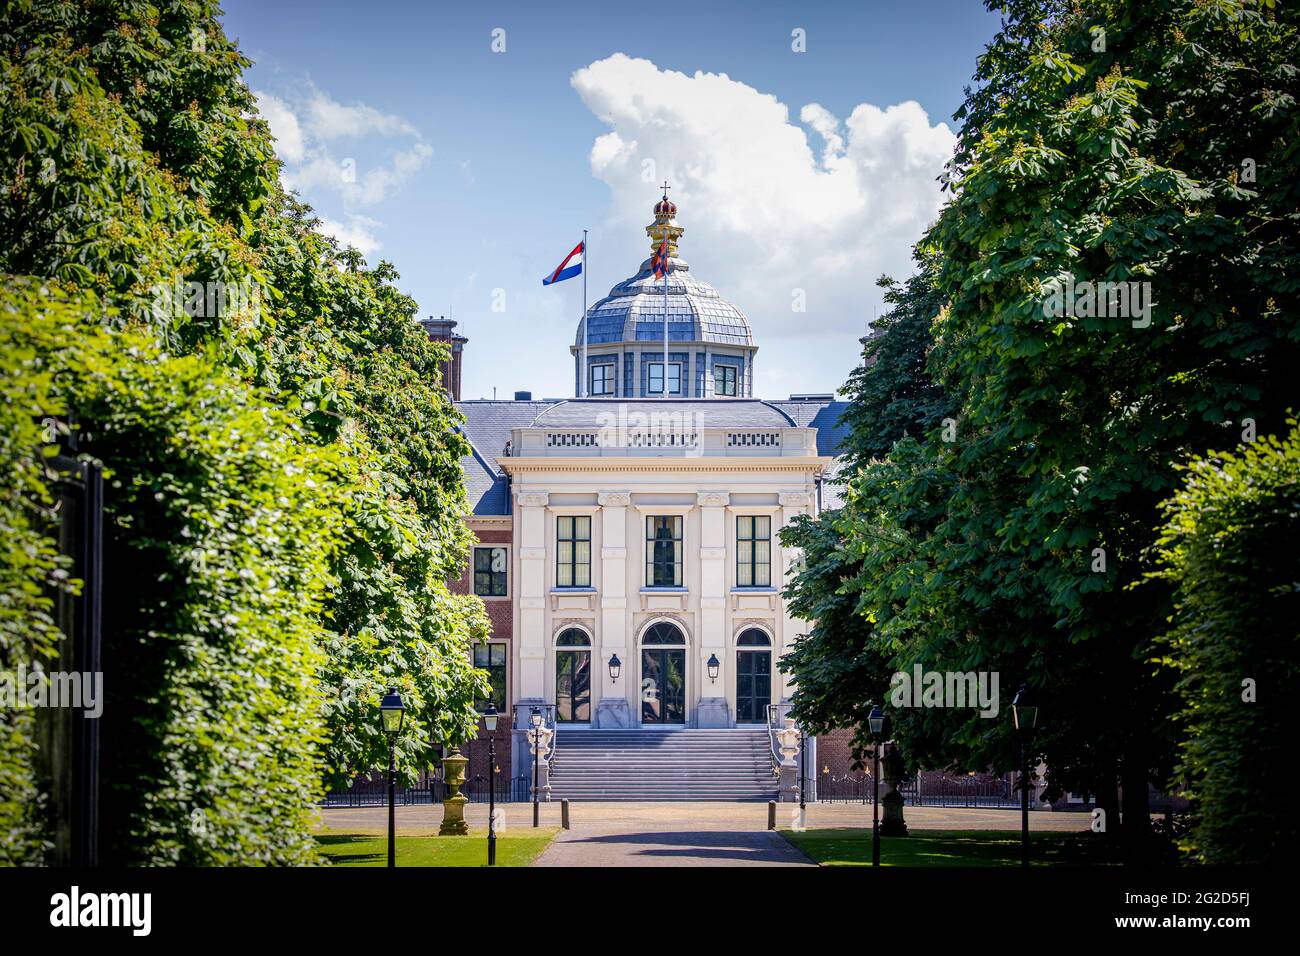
{"points": [[668, 834], [686, 834]]}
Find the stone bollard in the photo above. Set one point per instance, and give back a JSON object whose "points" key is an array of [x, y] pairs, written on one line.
{"points": [[771, 814], [564, 813]]}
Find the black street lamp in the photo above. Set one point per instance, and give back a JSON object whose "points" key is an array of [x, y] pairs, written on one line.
{"points": [[615, 668], [876, 723], [490, 724], [536, 719], [1025, 715], [392, 713], [714, 667]]}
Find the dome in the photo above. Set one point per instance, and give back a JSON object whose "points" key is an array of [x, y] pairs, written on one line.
{"points": [[634, 311]]}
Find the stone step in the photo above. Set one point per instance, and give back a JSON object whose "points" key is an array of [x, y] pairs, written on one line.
{"points": [[663, 765]]}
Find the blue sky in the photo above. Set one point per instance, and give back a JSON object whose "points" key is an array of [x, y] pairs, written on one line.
{"points": [[800, 176]]}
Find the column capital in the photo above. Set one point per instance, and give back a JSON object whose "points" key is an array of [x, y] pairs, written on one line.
{"points": [[614, 499], [532, 499], [795, 499], [712, 499]]}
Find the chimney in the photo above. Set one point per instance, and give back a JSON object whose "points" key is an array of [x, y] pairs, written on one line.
{"points": [[441, 330]]}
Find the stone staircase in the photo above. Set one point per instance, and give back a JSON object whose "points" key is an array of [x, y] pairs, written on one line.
{"points": [[667, 765]]}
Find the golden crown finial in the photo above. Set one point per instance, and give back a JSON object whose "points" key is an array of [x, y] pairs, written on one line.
{"points": [[665, 211]]}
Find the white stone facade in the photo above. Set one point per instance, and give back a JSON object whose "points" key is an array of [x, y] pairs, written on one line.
{"points": [[709, 474]]}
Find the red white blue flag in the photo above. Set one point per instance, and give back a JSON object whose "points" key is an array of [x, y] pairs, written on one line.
{"points": [[659, 264], [570, 267]]}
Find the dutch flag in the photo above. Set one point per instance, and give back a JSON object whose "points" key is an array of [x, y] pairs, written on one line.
{"points": [[570, 267]]}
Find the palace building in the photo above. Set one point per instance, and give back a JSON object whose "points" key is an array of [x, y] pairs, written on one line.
{"points": [[629, 554]]}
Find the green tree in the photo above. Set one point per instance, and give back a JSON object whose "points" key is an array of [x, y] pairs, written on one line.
{"points": [[839, 668], [1227, 549], [133, 161], [1105, 141]]}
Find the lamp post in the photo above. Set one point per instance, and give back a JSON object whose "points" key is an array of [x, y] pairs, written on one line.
{"points": [[392, 712], [490, 724], [714, 667], [535, 718], [615, 668], [876, 723], [1025, 715]]}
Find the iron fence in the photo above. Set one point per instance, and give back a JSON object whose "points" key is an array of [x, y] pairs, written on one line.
{"points": [[374, 793], [934, 791], [930, 791], [844, 789]]}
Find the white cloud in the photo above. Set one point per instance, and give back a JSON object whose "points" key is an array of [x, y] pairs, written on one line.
{"points": [[357, 231], [284, 127], [768, 206], [309, 128]]}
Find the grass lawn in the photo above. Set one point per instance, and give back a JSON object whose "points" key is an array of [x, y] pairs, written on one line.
{"points": [[514, 848], [951, 848]]}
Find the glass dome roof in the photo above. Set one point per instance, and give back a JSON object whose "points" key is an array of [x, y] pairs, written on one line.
{"points": [[634, 311]]}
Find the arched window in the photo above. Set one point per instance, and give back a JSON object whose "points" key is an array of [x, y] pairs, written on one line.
{"points": [[662, 632], [753, 637], [573, 676], [572, 637]]}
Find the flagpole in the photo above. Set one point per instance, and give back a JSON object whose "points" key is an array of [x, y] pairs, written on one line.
{"points": [[583, 391], [667, 254]]}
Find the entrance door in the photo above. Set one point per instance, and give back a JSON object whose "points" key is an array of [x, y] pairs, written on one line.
{"points": [[753, 677], [663, 685]]}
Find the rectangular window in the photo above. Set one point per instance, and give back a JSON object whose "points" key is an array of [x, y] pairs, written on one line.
{"points": [[573, 551], [602, 380], [753, 551], [492, 658], [724, 380], [657, 378], [663, 551], [490, 572]]}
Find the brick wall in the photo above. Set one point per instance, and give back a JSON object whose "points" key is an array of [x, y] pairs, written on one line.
{"points": [[500, 613], [833, 752]]}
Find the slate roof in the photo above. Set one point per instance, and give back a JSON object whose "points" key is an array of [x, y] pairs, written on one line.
{"points": [[823, 416], [487, 426]]}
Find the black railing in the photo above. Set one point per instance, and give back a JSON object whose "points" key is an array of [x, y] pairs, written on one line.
{"points": [[374, 793], [931, 792], [516, 790], [845, 789]]}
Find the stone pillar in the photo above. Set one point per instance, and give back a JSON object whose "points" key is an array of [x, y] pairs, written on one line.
{"points": [[712, 710], [530, 629], [792, 503], [613, 709]]}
